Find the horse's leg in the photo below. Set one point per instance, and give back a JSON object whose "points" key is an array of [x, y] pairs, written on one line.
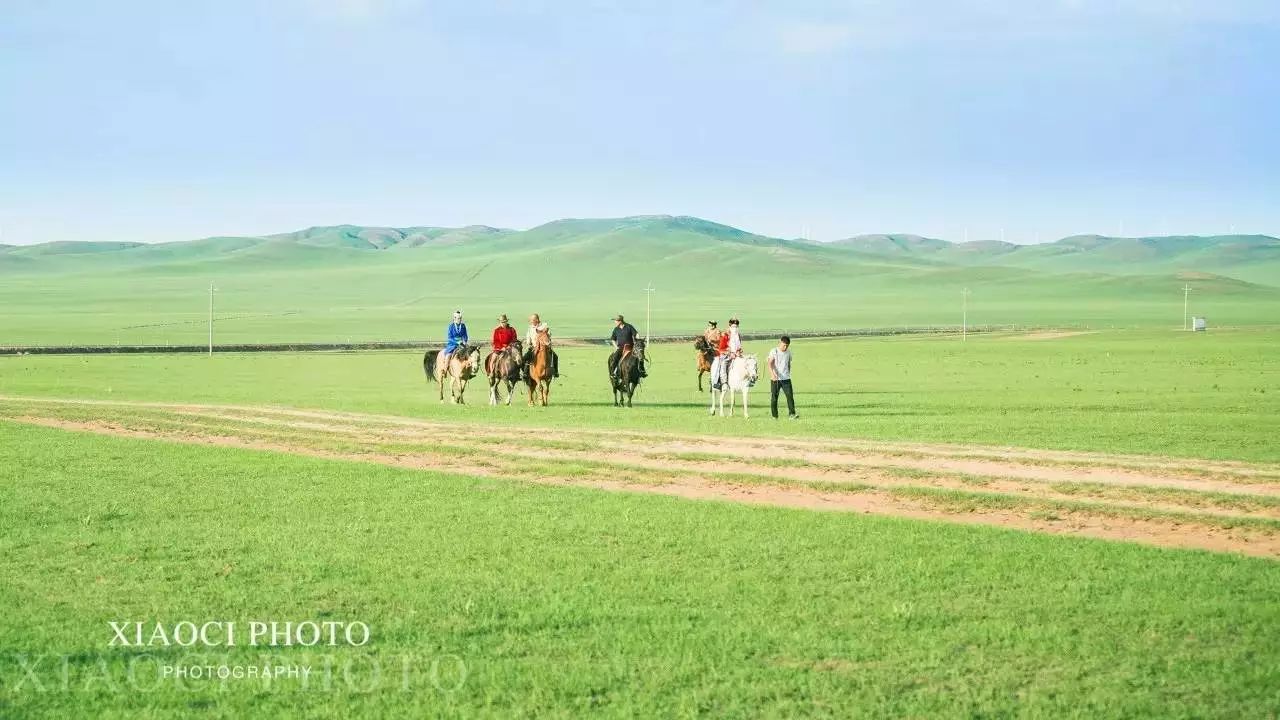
{"points": [[745, 414], [440, 382], [493, 392], [462, 388]]}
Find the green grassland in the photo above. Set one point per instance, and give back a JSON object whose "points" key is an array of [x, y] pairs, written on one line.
{"points": [[1209, 395], [560, 602], [349, 283], [503, 598]]}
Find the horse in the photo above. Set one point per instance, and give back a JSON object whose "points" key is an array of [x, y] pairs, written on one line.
{"points": [[738, 376], [505, 366], [627, 378], [463, 365], [537, 374], [706, 354]]}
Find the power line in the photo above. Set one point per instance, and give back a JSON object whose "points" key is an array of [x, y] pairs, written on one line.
{"points": [[211, 291], [648, 297], [1186, 296]]}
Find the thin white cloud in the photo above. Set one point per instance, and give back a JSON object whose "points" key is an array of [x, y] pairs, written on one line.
{"points": [[357, 10], [805, 38]]}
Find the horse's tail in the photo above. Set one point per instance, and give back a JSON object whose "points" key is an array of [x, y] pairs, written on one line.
{"points": [[429, 365]]}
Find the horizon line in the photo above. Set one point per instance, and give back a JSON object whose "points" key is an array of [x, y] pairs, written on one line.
{"points": [[645, 216]]}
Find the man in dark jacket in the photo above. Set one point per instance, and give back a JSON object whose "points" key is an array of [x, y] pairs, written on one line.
{"points": [[624, 341]]}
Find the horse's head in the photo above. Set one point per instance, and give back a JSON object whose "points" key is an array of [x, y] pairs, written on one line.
{"points": [[751, 369], [513, 353], [639, 349], [701, 344], [471, 357]]}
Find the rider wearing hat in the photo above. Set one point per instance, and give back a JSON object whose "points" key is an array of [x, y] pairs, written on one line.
{"points": [[539, 333], [729, 346], [712, 334], [455, 335], [503, 336], [624, 341]]}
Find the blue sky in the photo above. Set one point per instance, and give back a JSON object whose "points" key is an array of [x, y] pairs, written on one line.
{"points": [[169, 120]]}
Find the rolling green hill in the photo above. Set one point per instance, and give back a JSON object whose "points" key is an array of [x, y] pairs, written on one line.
{"points": [[1252, 257], [379, 283]]}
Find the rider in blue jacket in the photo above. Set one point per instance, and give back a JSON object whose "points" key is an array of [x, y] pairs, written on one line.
{"points": [[456, 335]]}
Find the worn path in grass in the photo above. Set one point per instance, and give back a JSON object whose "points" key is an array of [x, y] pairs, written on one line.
{"points": [[1215, 505]]}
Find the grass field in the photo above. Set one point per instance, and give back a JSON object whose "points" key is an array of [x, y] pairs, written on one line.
{"points": [[1030, 524], [1214, 395], [528, 600]]}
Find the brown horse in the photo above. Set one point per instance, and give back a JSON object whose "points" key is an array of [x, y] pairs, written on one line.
{"points": [[537, 374], [627, 377], [504, 368], [706, 354], [463, 365]]}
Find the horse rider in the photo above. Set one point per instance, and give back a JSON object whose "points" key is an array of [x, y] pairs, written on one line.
{"points": [[539, 334], [503, 336], [455, 336], [735, 338], [624, 341], [712, 335], [728, 347]]}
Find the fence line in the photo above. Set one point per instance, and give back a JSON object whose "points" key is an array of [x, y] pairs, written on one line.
{"points": [[432, 344]]}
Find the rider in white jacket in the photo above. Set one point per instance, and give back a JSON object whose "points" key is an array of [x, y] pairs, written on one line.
{"points": [[733, 348], [735, 339]]}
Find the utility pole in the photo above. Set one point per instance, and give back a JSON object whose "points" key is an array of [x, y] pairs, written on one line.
{"points": [[1186, 296], [964, 315], [648, 310], [211, 289]]}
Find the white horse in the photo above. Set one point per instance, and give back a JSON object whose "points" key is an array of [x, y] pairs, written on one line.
{"points": [[739, 376]]}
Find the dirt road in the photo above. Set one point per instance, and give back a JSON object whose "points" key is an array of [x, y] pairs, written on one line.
{"points": [[1214, 505]]}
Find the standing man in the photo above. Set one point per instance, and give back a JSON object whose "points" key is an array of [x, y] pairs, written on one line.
{"points": [[455, 336], [539, 334], [624, 341], [780, 378]]}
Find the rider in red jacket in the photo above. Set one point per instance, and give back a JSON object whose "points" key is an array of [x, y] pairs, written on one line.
{"points": [[503, 335]]}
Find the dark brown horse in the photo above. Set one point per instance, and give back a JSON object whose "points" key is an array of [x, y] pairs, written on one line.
{"points": [[706, 354], [504, 368], [627, 378]]}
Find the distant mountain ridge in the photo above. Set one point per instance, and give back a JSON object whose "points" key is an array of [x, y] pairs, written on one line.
{"points": [[668, 238]]}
